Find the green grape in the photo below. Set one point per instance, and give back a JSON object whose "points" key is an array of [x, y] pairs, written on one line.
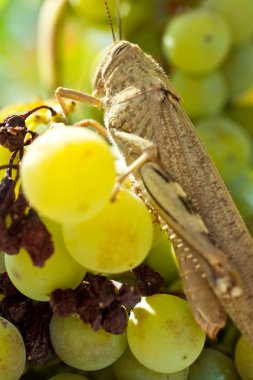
{"points": [[79, 346], [242, 192], [201, 95], [68, 376], [162, 259], [163, 335], [238, 69], [116, 239], [238, 15], [12, 351], [227, 144], [59, 271], [127, 367], [211, 365], [196, 42], [244, 359], [68, 173]]}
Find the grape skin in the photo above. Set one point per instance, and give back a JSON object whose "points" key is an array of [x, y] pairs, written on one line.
{"points": [[163, 335], [196, 42], [202, 95], [127, 367], [238, 15], [68, 173], [116, 239], [12, 351], [79, 346], [59, 271]]}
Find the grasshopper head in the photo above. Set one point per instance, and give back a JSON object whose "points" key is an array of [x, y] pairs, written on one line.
{"points": [[118, 53]]}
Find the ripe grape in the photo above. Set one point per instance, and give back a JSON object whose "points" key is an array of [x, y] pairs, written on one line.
{"points": [[238, 15], [68, 173], [238, 69], [196, 42], [163, 335], [244, 358], [212, 364], [227, 144], [116, 239], [68, 376], [12, 351], [201, 95], [59, 271], [127, 367], [79, 346]]}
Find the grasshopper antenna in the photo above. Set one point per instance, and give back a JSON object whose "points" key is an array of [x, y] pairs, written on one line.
{"points": [[109, 20], [119, 20]]}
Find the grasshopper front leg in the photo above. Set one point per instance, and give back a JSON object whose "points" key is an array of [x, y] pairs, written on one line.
{"points": [[62, 92]]}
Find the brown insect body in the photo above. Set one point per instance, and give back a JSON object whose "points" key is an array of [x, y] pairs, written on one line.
{"points": [[216, 254]]}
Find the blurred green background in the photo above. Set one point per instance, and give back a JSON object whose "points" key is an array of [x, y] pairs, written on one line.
{"points": [[50, 43]]}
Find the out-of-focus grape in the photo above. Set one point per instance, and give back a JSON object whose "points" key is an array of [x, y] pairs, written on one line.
{"points": [[201, 95], [196, 42], [238, 69], [79, 346], [163, 335], [212, 364], [244, 359], [242, 192], [227, 144], [238, 15]]}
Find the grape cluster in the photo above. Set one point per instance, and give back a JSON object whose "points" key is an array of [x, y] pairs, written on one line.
{"points": [[104, 300], [85, 301], [210, 52]]}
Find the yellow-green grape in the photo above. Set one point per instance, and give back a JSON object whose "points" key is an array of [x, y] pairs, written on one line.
{"points": [[114, 240], [176, 285], [68, 173], [227, 144], [79, 346], [201, 95], [68, 376], [163, 335], [238, 15], [238, 69], [244, 359], [12, 351], [211, 365], [196, 42], [59, 271], [162, 259], [127, 367]]}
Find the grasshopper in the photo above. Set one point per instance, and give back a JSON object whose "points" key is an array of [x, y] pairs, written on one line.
{"points": [[159, 144]]}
